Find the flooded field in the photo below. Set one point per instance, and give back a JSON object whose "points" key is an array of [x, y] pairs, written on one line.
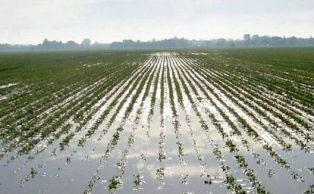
{"points": [[156, 122]]}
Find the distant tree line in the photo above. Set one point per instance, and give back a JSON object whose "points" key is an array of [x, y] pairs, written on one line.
{"points": [[248, 40], [166, 43], [257, 40], [85, 44], [55, 45]]}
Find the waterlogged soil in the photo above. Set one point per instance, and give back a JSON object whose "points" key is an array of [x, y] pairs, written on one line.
{"points": [[170, 126]]}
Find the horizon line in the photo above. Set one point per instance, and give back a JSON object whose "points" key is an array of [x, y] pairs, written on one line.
{"points": [[151, 40]]}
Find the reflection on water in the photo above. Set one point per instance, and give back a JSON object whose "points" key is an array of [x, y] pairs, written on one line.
{"points": [[161, 147], [60, 174]]}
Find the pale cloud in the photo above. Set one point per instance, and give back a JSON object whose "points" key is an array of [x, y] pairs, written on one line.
{"points": [[30, 21]]}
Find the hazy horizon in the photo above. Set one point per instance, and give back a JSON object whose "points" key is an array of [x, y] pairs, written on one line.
{"points": [[30, 21]]}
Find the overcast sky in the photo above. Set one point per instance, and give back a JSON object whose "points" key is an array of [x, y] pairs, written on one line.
{"points": [[30, 21]]}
